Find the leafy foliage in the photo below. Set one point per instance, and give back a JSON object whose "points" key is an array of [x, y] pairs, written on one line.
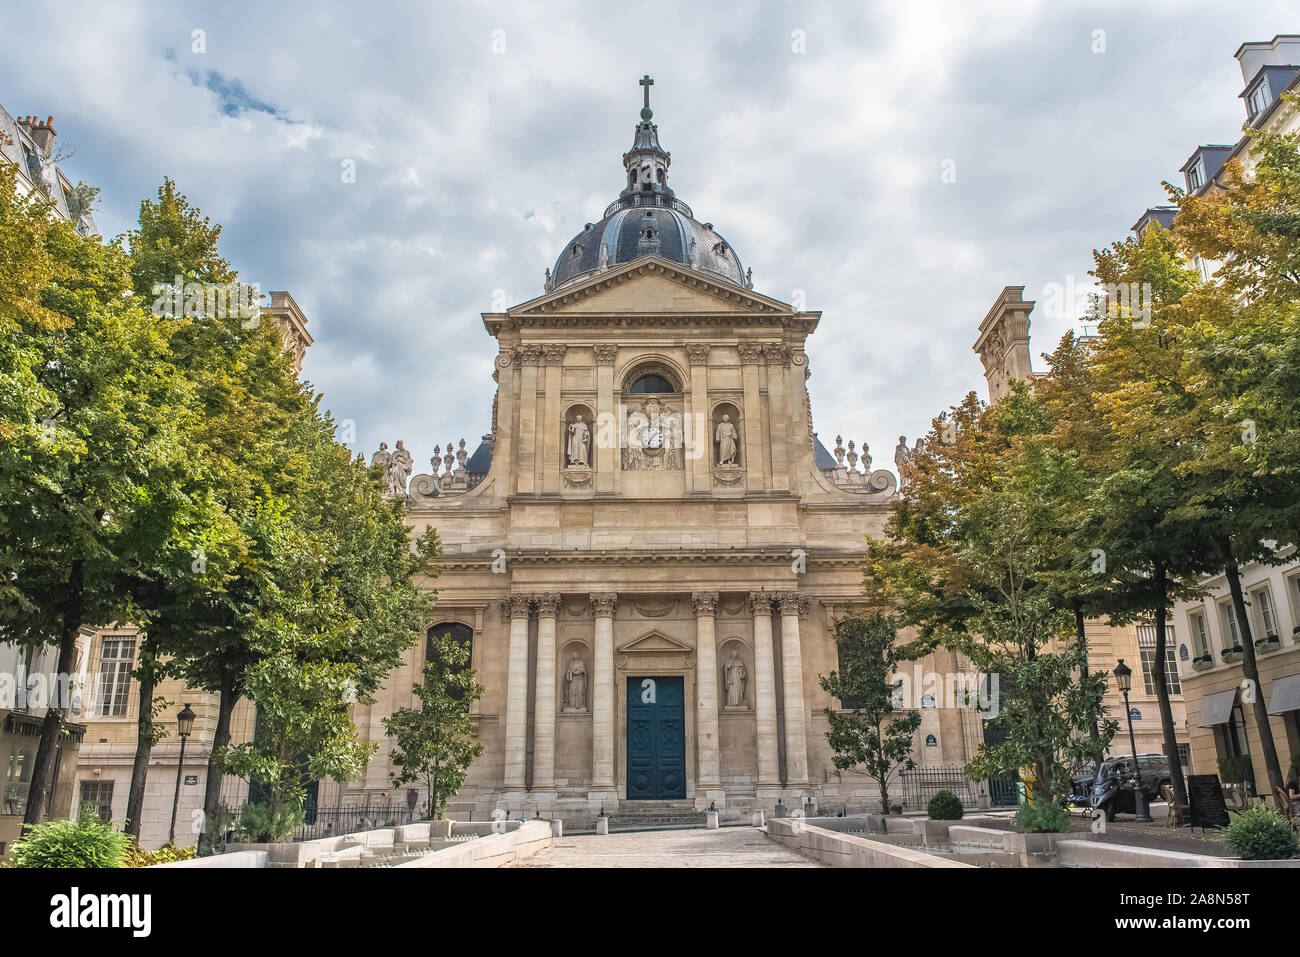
{"points": [[1261, 833], [85, 842], [871, 736], [1042, 817], [945, 806], [433, 743]]}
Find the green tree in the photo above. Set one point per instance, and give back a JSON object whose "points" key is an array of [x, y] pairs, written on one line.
{"points": [[871, 735], [93, 478], [433, 744]]}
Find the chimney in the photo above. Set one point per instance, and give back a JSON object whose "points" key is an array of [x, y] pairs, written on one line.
{"points": [[41, 132]]}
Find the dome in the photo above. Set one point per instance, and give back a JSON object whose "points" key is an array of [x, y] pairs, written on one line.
{"points": [[647, 220]]}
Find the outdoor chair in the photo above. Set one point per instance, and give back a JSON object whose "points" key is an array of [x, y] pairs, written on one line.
{"points": [[1179, 814]]}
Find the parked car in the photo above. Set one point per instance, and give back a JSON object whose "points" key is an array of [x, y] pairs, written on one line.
{"points": [[1114, 789]]}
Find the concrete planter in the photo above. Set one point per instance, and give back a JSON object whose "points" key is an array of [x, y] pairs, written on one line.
{"points": [[1203, 663], [1232, 654], [1265, 645]]}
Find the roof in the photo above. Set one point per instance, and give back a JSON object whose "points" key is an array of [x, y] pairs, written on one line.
{"points": [[821, 457]]}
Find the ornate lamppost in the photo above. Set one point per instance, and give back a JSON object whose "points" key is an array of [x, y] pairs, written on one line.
{"points": [[1124, 679], [184, 725]]}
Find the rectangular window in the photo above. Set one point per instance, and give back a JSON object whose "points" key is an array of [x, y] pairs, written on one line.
{"points": [[1185, 758], [1196, 176], [99, 795], [1259, 100], [1147, 649], [1230, 625], [1200, 634], [1263, 599], [113, 683]]}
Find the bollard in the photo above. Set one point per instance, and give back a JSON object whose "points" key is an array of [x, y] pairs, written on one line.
{"points": [[557, 827], [758, 819], [711, 820], [602, 825]]}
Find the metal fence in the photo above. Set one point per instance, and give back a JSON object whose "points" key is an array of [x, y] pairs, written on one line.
{"points": [[319, 822], [921, 784]]}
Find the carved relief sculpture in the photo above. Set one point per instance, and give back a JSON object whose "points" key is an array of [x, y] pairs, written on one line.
{"points": [[654, 438]]}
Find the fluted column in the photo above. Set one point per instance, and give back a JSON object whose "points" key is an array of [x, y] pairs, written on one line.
{"points": [[709, 785], [544, 707], [517, 608], [602, 698], [793, 607], [769, 769]]}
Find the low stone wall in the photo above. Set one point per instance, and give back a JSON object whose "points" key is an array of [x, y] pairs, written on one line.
{"points": [[1073, 853], [522, 840], [235, 859], [848, 850]]}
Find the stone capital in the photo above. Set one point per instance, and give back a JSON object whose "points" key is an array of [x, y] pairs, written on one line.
{"points": [[605, 353], [760, 603], [516, 606], [553, 354], [603, 603], [548, 604], [528, 355], [793, 603], [698, 353], [777, 354], [706, 603], [750, 351]]}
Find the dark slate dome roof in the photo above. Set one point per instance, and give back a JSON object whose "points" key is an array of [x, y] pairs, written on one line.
{"points": [[632, 232], [647, 220]]}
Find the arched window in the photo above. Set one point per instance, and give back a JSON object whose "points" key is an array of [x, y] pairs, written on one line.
{"points": [[652, 383], [460, 633]]}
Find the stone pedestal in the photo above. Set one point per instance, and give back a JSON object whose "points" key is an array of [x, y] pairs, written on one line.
{"points": [[557, 827], [711, 820], [602, 825]]}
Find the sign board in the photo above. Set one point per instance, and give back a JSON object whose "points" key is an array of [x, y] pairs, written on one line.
{"points": [[1134, 714], [1182, 652], [191, 779], [1205, 796], [931, 741]]}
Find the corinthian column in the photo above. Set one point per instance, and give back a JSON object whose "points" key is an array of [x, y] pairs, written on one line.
{"points": [[602, 700], [517, 608], [769, 769], [709, 786], [544, 706], [793, 607]]}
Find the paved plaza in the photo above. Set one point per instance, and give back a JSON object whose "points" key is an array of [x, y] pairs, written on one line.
{"points": [[726, 847]]}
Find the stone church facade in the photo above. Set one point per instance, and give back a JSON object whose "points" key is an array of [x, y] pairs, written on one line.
{"points": [[649, 569]]}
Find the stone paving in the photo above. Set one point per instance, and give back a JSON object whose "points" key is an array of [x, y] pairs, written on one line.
{"points": [[725, 847]]}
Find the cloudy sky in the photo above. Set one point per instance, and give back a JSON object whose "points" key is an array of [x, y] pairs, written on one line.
{"points": [[815, 136]]}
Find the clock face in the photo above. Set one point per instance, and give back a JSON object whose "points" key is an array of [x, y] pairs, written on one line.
{"points": [[652, 438]]}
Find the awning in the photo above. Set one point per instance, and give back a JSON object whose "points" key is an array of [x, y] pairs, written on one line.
{"points": [[1285, 695], [1217, 708]]}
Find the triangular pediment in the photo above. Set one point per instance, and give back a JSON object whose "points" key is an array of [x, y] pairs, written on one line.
{"points": [[656, 642], [650, 286]]}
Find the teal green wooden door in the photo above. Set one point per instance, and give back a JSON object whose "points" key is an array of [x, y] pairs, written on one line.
{"points": [[656, 739]]}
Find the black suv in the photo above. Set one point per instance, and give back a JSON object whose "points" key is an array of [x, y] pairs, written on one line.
{"points": [[1115, 785]]}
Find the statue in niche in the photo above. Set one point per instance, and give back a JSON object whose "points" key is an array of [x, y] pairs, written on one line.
{"points": [[726, 436], [579, 436], [399, 470], [575, 685], [735, 683]]}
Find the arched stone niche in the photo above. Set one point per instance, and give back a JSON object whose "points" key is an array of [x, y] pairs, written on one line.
{"points": [[726, 445], [574, 664], [735, 686]]}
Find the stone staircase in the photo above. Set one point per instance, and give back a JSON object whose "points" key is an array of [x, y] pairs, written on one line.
{"points": [[655, 816]]}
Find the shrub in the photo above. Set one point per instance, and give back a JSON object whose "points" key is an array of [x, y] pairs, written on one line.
{"points": [[260, 824], [85, 842], [1261, 833], [945, 806], [896, 809], [1236, 770], [1042, 817]]}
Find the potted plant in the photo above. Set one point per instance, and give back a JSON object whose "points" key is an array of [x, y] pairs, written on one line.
{"points": [[1203, 662], [1268, 643], [1232, 654], [1237, 770]]}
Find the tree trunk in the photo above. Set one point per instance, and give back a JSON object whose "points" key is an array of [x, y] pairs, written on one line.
{"points": [[884, 797], [1250, 668], [1093, 734], [212, 787], [1162, 693], [52, 727], [143, 749]]}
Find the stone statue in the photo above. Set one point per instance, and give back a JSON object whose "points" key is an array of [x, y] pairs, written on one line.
{"points": [[902, 460], [735, 671], [575, 685], [578, 436], [637, 423], [382, 459], [399, 470], [726, 437]]}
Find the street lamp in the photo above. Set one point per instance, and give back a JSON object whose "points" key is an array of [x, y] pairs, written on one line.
{"points": [[1124, 679], [184, 725]]}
